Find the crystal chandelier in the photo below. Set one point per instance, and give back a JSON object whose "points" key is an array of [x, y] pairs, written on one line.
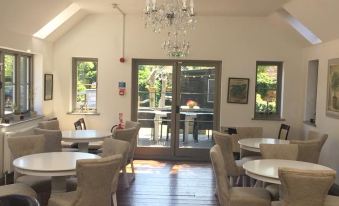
{"points": [[177, 18]]}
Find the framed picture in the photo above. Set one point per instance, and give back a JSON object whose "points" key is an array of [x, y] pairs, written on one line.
{"points": [[332, 103], [48, 89], [238, 90]]}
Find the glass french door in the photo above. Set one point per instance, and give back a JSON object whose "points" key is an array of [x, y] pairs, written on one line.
{"points": [[177, 105]]}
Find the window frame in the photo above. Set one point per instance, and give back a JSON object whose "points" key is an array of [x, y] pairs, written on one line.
{"points": [[17, 55], [75, 110], [277, 115]]}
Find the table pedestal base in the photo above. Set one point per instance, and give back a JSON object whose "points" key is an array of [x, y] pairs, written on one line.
{"points": [[59, 184], [83, 147]]}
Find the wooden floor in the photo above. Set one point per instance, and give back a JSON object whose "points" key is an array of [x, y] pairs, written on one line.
{"points": [[169, 183]]}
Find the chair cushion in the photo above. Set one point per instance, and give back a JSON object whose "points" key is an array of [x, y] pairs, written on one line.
{"points": [[62, 199], [17, 189], [244, 196], [331, 200], [95, 145], [39, 184], [70, 150], [250, 158], [67, 144]]}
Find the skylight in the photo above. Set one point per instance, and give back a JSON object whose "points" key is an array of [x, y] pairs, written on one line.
{"points": [[302, 29], [57, 21]]}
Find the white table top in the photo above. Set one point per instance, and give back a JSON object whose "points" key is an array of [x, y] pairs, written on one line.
{"points": [[266, 170], [84, 135], [253, 144], [50, 163]]}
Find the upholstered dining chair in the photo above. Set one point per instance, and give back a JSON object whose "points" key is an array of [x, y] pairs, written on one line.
{"points": [[18, 200], [114, 147], [26, 145], [283, 131], [304, 188], [95, 179], [110, 147], [309, 150], [244, 133], [129, 134], [53, 139], [278, 151], [233, 167], [92, 146], [53, 124], [17, 189], [49, 124], [235, 196]]}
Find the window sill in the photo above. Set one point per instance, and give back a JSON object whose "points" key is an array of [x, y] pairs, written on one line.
{"points": [[269, 119], [26, 119], [310, 123], [83, 113]]}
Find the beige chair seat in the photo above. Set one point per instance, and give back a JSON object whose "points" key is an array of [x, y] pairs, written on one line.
{"points": [[67, 144], [331, 200], [39, 184], [18, 189], [95, 145], [64, 199], [245, 196]]}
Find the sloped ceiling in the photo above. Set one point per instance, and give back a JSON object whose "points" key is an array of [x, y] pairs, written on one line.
{"points": [[28, 16], [202, 7], [321, 17]]}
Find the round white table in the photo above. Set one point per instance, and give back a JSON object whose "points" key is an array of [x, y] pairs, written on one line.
{"points": [[266, 170], [57, 165], [84, 137], [253, 144]]}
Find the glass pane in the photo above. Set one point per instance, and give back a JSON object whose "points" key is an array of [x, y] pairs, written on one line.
{"points": [[154, 105], [197, 106], [266, 89], [86, 85], [24, 83], [9, 66]]}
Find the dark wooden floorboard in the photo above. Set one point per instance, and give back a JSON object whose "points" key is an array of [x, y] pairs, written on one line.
{"points": [[169, 183]]}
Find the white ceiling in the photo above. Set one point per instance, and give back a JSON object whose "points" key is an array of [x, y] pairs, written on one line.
{"points": [[28, 16], [321, 17], [202, 7]]}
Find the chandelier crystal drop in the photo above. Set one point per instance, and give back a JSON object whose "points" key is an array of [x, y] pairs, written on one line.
{"points": [[174, 16]]}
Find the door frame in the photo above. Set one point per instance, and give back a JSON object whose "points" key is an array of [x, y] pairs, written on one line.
{"points": [[174, 152]]}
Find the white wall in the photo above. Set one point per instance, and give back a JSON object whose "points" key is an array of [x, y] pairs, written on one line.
{"points": [[324, 52], [238, 42], [42, 63]]}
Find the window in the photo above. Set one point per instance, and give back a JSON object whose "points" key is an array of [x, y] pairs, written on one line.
{"points": [[85, 85], [16, 75], [268, 90], [311, 98]]}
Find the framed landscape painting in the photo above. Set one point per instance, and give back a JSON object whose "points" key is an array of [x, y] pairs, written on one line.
{"points": [[332, 106], [238, 90]]}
